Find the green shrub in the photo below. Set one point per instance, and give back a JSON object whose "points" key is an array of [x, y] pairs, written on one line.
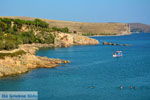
{"points": [[49, 38], [3, 26], [40, 23], [2, 46], [5, 23], [9, 44], [17, 53], [45, 37], [8, 41], [65, 29], [27, 37]]}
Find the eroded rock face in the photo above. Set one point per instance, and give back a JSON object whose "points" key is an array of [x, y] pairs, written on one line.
{"points": [[65, 40], [83, 40]]}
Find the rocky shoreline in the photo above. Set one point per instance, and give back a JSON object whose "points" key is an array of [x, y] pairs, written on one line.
{"points": [[26, 62], [123, 34]]}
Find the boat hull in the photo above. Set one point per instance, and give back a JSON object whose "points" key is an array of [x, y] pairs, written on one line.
{"points": [[117, 56]]}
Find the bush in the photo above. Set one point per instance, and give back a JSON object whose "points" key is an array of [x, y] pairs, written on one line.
{"points": [[17, 53], [5, 23], [65, 29], [3, 26], [49, 38], [40, 23], [10, 44], [45, 37], [27, 37], [2, 46], [8, 41]]}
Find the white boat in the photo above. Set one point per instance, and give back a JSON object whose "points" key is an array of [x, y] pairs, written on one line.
{"points": [[118, 54]]}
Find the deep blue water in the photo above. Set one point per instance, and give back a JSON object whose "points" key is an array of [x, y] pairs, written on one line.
{"points": [[92, 74]]}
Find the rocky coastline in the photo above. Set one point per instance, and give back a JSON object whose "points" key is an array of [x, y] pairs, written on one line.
{"points": [[28, 61]]}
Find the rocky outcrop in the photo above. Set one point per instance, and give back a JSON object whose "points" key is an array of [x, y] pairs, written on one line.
{"points": [[65, 40], [109, 43], [83, 40], [24, 63]]}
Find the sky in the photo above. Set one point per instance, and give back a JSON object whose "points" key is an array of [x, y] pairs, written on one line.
{"points": [[125, 11]]}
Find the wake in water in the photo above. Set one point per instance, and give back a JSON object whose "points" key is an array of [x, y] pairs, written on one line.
{"points": [[95, 63], [134, 87]]}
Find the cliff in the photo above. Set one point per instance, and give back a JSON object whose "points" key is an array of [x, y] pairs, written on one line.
{"points": [[138, 27]]}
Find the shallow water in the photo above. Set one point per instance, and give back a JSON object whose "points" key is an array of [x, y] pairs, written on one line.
{"points": [[92, 74]]}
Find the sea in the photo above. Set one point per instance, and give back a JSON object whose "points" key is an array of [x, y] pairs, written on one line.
{"points": [[93, 73]]}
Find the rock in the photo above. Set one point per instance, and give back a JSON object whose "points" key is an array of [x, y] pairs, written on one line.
{"points": [[18, 65], [66, 40], [109, 43], [83, 40], [66, 61], [126, 45], [1, 75], [63, 40]]}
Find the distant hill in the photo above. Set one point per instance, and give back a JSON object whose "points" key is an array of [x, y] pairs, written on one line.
{"points": [[79, 27], [138, 27]]}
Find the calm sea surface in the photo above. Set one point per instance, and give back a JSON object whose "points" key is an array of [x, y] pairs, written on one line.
{"points": [[93, 73]]}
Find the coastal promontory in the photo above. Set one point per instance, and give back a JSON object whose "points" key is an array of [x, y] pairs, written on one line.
{"points": [[20, 39]]}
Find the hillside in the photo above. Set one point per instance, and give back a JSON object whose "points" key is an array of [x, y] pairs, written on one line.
{"points": [[14, 32], [138, 27], [78, 27]]}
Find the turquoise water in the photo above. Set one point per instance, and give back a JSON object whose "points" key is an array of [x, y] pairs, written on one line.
{"points": [[92, 74]]}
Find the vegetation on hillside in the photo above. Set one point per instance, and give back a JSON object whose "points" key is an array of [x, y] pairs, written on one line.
{"points": [[65, 29], [11, 33], [6, 23]]}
